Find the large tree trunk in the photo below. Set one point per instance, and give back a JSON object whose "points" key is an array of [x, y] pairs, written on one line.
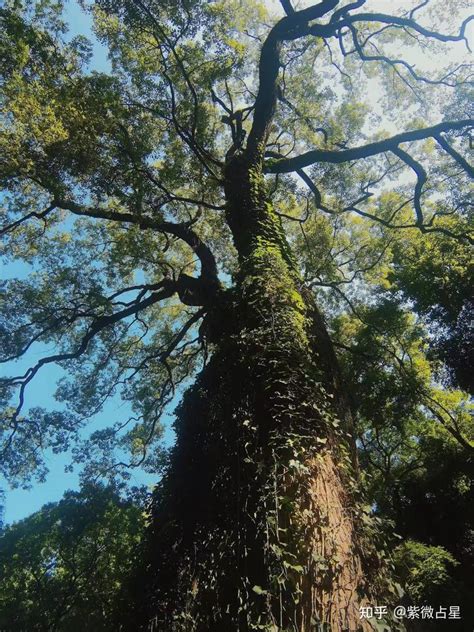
{"points": [[256, 525]]}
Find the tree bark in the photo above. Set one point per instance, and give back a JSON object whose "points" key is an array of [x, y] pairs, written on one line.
{"points": [[256, 524]]}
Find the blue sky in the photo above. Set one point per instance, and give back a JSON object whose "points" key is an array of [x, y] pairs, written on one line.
{"points": [[80, 23], [20, 502]]}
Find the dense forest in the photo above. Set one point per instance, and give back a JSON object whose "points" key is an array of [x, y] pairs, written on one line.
{"points": [[260, 220]]}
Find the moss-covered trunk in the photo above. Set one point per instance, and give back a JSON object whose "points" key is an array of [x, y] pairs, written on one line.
{"points": [[256, 524]]}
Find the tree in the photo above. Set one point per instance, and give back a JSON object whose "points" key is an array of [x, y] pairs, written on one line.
{"points": [[252, 229], [62, 567]]}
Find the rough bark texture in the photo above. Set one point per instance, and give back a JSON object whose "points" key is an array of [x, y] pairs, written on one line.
{"points": [[256, 524]]}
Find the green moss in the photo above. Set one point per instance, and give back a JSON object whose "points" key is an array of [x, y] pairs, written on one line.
{"points": [[270, 285]]}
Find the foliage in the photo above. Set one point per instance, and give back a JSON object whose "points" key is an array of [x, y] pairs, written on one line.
{"points": [[423, 569], [105, 147], [203, 210], [63, 567], [426, 572], [440, 286]]}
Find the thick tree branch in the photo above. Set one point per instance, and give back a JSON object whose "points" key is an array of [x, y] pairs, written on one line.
{"points": [[191, 291], [182, 231], [353, 206], [287, 7], [341, 13], [297, 24], [288, 28], [420, 182], [409, 23], [301, 18], [287, 165]]}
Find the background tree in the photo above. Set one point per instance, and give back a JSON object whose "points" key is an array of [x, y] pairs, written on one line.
{"points": [[204, 209], [63, 567]]}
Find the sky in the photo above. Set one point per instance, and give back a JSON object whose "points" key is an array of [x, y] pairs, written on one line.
{"points": [[19, 502]]}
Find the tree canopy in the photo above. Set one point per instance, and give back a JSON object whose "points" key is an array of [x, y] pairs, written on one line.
{"points": [[112, 198], [114, 202]]}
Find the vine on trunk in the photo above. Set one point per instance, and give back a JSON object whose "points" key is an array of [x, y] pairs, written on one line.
{"points": [[258, 524]]}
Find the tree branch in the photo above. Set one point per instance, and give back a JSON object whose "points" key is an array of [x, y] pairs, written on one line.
{"points": [[168, 288], [420, 181], [182, 231], [41, 215], [341, 13], [287, 165], [287, 7], [288, 28], [359, 48], [462, 162], [407, 22]]}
